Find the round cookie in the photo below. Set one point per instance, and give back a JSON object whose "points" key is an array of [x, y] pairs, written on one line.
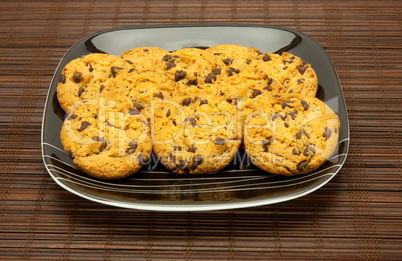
{"points": [[86, 77], [290, 134], [146, 58], [105, 139], [197, 134], [296, 75]]}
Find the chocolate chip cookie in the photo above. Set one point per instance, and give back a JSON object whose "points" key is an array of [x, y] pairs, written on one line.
{"points": [[296, 75], [86, 77], [197, 134], [290, 134], [106, 139]]}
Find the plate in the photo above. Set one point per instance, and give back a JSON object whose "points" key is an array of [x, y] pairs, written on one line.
{"points": [[238, 185]]}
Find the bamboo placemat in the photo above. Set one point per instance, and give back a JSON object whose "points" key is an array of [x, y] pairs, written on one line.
{"points": [[356, 216]]}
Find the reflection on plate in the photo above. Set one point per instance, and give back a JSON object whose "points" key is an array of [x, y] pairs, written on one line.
{"points": [[240, 184]]}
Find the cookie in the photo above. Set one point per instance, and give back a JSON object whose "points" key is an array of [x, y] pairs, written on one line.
{"points": [[197, 134], [105, 139], [146, 58], [290, 134], [85, 77], [296, 75]]}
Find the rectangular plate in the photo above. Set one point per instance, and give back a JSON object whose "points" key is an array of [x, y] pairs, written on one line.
{"points": [[238, 185]]}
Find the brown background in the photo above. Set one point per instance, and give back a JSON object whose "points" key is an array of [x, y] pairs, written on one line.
{"points": [[357, 216]]}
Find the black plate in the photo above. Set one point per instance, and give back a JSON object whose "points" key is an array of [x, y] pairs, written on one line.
{"points": [[238, 185]]}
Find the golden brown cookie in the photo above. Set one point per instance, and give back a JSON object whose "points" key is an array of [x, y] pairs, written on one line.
{"points": [[106, 138], [197, 134], [86, 77], [290, 134], [297, 76]]}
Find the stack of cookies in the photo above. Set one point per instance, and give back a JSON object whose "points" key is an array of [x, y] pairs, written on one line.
{"points": [[194, 109]]}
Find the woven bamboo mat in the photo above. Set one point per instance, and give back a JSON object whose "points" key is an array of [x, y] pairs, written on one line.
{"points": [[356, 216]]}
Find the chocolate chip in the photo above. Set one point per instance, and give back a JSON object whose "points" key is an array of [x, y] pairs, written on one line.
{"points": [[305, 105], [84, 125], [210, 78], [306, 152], [286, 125], [217, 54], [217, 71], [80, 91], [192, 121], [202, 101], [220, 141], [186, 102], [90, 67], [292, 114], [132, 147], [184, 166], [294, 151], [255, 93], [192, 148], [311, 148], [301, 70], [77, 77], [101, 88], [299, 134], [138, 106], [268, 88], [270, 80], [177, 148], [327, 133], [192, 82], [115, 70], [174, 122], [158, 95], [131, 70], [179, 75], [233, 70], [145, 50], [266, 58], [62, 78], [284, 67], [265, 144], [276, 116], [286, 104], [133, 111], [196, 162], [170, 65], [168, 112], [302, 165], [167, 57], [102, 140], [227, 61], [248, 61], [128, 61], [300, 81]]}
